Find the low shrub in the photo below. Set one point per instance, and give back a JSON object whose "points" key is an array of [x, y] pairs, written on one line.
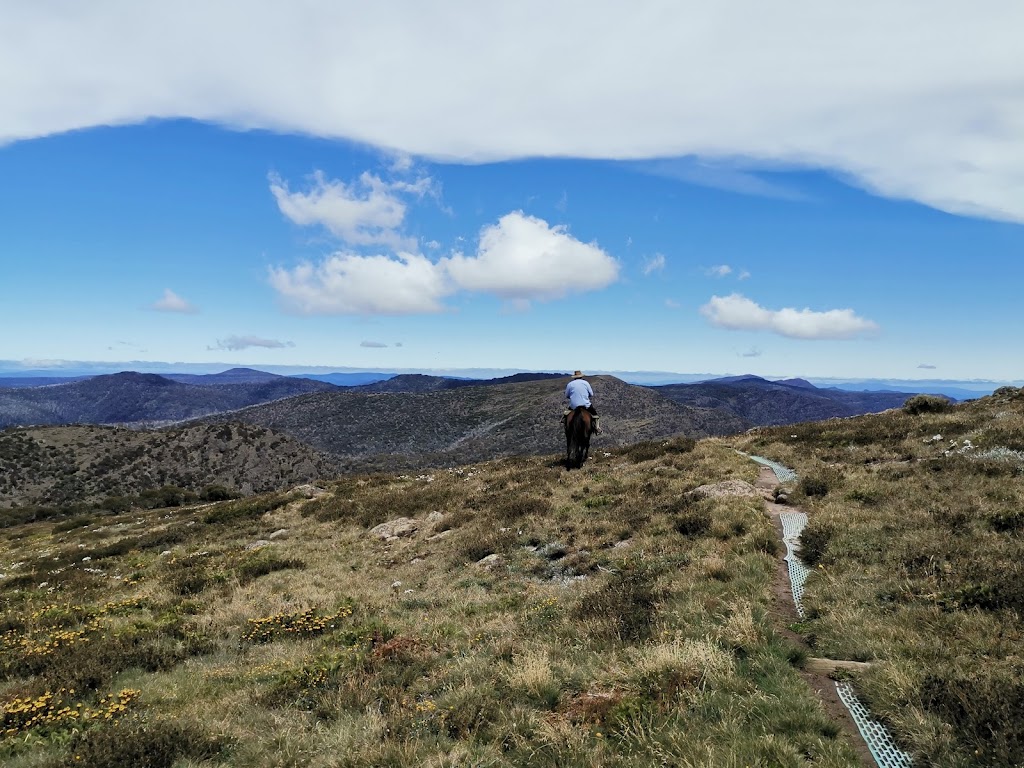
{"points": [[625, 607], [695, 521], [141, 743], [919, 404], [814, 541]]}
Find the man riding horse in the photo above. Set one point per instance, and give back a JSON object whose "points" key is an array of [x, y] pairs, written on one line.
{"points": [[579, 393]]}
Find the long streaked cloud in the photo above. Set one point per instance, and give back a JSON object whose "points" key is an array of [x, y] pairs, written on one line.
{"points": [[237, 343], [898, 98], [520, 259], [738, 313], [373, 344], [172, 302]]}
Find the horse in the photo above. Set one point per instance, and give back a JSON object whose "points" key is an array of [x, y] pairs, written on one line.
{"points": [[577, 437]]}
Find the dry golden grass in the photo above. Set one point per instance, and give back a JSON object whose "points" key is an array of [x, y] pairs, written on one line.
{"points": [[916, 526], [598, 635]]}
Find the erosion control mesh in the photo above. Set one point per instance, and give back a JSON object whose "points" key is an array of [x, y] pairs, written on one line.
{"points": [[792, 524], [886, 754], [876, 736], [784, 474]]}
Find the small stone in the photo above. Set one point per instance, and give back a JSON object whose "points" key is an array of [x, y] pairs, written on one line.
{"points": [[393, 529], [258, 544], [624, 544], [782, 499], [416, 560], [280, 533], [491, 562]]}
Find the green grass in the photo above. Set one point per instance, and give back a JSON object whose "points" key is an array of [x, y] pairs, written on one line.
{"points": [[621, 626], [918, 541]]}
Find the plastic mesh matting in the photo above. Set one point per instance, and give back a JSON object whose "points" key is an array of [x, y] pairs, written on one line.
{"points": [[885, 752], [784, 474], [792, 524], [876, 736]]}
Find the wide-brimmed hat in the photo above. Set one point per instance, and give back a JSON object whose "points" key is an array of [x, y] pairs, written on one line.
{"points": [[578, 375]]}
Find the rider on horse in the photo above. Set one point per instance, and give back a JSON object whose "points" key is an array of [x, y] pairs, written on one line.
{"points": [[579, 392]]}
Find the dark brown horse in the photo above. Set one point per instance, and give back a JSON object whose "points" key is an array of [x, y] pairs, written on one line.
{"points": [[577, 437]]}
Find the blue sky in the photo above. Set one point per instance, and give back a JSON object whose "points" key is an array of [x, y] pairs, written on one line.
{"points": [[833, 208]]}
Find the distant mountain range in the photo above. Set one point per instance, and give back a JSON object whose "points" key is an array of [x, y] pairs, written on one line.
{"points": [[761, 402], [253, 430], [419, 426], [145, 398]]}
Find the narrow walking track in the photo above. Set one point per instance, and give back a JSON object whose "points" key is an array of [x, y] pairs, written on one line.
{"points": [[838, 699]]}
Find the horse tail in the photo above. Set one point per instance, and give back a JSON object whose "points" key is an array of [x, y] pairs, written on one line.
{"points": [[578, 436]]}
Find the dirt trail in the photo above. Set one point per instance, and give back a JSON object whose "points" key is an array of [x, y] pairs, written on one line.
{"points": [[816, 671]]}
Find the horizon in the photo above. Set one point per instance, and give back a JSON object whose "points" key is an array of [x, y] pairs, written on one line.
{"points": [[795, 193], [76, 369]]}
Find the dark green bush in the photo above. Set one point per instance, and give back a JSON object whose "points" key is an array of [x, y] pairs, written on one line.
{"points": [[217, 493], [140, 743], [695, 521], [814, 541], [625, 607], [919, 404]]}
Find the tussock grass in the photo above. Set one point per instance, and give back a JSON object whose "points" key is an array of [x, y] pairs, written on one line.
{"points": [[622, 624], [915, 529]]}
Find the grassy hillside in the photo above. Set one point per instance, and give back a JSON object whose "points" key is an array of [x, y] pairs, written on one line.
{"points": [[525, 616], [58, 466], [142, 398], [917, 529], [472, 423], [513, 613]]}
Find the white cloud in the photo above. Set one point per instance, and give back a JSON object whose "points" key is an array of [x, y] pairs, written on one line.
{"points": [[900, 98], [927, 366], [654, 263], [743, 275], [672, 304], [738, 313], [236, 343], [721, 270], [365, 213], [373, 344], [522, 257], [172, 302], [752, 352], [350, 284]]}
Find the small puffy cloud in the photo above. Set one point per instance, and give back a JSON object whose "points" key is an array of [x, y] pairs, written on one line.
{"points": [[367, 212], [172, 302], [927, 367], [672, 304], [721, 270], [522, 257], [373, 344], [743, 275], [654, 263], [236, 343], [350, 284], [738, 313], [432, 244], [753, 352], [398, 343]]}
